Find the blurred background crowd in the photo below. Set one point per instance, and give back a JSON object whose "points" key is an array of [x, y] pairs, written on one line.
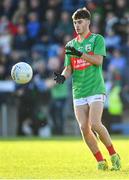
{"points": [[36, 31]]}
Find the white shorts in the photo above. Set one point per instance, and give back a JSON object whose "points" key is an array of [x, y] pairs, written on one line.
{"points": [[90, 99]]}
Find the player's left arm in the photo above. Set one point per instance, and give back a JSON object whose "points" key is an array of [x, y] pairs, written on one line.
{"points": [[99, 52], [93, 59]]}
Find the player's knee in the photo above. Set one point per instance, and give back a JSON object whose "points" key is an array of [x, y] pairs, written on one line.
{"points": [[96, 126], [85, 128]]}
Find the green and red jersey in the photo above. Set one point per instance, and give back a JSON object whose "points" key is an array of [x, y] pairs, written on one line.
{"points": [[87, 78]]}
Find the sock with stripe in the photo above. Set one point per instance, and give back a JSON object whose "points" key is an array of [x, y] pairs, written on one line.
{"points": [[111, 150], [99, 156]]}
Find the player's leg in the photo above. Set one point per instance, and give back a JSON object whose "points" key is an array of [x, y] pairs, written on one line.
{"points": [[95, 114], [81, 113]]}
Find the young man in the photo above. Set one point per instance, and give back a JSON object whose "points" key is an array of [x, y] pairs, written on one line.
{"points": [[83, 60]]}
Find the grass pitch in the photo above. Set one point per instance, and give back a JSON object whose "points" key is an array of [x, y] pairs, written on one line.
{"points": [[57, 158]]}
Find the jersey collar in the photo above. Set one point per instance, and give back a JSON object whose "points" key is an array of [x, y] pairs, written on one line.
{"points": [[87, 35]]}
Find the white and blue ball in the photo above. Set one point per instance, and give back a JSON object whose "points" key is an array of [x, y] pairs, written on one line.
{"points": [[21, 73]]}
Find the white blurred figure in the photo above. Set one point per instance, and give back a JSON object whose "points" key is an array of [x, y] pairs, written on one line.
{"points": [[5, 42], [45, 131]]}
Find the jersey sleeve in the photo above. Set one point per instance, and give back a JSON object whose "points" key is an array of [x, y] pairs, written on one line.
{"points": [[100, 48], [67, 60]]}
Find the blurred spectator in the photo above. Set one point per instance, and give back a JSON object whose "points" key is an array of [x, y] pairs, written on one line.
{"points": [[112, 40], [3, 69], [20, 15], [125, 87], [115, 105], [36, 54], [54, 5], [7, 8], [33, 27], [35, 6], [126, 49], [95, 29], [45, 48], [6, 24], [21, 41], [59, 95], [64, 26], [25, 110], [57, 108], [3, 23], [54, 50], [118, 62], [5, 42], [72, 5], [111, 20], [49, 24], [120, 7], [108, 6]]}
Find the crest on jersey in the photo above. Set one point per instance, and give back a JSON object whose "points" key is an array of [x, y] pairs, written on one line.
{"points": [[88, 47]]}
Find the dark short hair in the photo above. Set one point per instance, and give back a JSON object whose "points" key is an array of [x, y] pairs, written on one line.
{"points": [[81, 13]]}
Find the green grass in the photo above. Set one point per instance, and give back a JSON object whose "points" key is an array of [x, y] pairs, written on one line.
{"points": [[57, 158]]}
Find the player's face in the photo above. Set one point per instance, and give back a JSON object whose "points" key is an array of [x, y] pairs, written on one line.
{"points": [[81, 25]]}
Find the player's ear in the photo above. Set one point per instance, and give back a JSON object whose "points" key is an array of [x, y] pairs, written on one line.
{"points": [[88, 22]]}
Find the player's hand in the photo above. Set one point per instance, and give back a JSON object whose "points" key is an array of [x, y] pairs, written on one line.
{"points": [[59, 78], [72, 51]]}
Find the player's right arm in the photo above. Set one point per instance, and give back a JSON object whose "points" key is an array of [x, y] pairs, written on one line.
{"points": [[67, 72]]}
